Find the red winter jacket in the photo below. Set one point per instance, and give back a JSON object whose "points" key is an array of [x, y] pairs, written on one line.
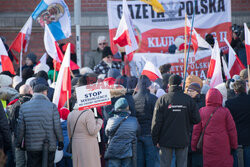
{"points": [[220, 134]]}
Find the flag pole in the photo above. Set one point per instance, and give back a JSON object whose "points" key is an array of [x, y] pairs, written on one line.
{"points": [[68, 99], [21, 56], [98, 134], [185, 44], [189, 43]]}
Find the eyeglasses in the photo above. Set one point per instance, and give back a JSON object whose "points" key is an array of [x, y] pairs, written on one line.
{"points": [[102, 43], [109, 57]]}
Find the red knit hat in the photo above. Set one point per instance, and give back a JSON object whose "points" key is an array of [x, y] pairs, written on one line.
{"points": [[64, 112], [72, 48]]}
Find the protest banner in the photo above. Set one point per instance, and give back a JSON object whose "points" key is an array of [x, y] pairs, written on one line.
{"points": [[197, 65], [157, 31], [92, 96]]}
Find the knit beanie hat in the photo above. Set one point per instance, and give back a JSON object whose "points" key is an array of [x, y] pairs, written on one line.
{"points": [[5, 80], [114, 73], [32, 57], [175, 80], [38, 81], [106, 52], [41, 67], [121, 104], [28, 81], [42, 74], [144, 82], [195, 86], [64, 112], [132, 82], [40, 88]]}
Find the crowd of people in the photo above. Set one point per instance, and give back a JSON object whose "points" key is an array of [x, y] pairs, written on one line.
{"points": [[149, 123]]}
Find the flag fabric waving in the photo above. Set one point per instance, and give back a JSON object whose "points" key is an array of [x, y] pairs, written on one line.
{"points": [[234, 63], [217, 73], [157, 6], [196, 39], [152, 72], [225, 69], [6, 63], [125, 34], [63, 83], [56, 15], [43, 59], [247, 42], [23, 37]]}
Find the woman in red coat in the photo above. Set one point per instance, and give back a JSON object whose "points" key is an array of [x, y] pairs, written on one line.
{"points": [[220, 136]]}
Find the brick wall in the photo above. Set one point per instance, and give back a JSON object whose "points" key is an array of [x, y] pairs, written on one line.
{"points": [[240, 5]]}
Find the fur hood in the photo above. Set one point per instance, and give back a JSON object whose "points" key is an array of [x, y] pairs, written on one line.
{"points": [[117, 92], [8, 93]]}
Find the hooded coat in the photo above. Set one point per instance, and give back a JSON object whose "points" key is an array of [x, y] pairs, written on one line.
{"points": [[220, 135]]}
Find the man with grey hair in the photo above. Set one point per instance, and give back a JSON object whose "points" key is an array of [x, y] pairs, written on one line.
{"points": [[239, 107], [39, 126], [91, 59]]}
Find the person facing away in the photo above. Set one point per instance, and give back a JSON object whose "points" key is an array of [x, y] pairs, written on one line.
{"points": [[220, 136], [173, 117], [239, 107], [85, 148], [144, 106], [121, 130], [39, 122]]}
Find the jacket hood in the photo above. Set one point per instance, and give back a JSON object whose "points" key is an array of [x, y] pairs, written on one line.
{"points": [[214, 98], [6, 93], [117, 92]]}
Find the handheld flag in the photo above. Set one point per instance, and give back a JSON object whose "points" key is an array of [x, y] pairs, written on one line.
{"points": [[247, 42], [43, 59], [5, 60], [217, 73], [55, 14], [152, 72], [63, 84], [125, 34], [234, 63], [23, 37], [157, 6]]}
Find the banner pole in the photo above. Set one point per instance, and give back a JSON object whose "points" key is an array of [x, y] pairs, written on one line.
{"points": [[98, 134], [21, 56], [189, 42], [185, 44]]}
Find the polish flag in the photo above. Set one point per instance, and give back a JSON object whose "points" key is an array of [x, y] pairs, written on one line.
{"points": [[125, 34], [53, 49], [225, 69], [217, 73], [23, 37], [196, 39], [43, 59], [151, 71], [234, 63], [6, 63], [63, 83], [247, 42]]}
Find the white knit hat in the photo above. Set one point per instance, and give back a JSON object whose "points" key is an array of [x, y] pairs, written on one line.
{"points": [[5, 80], [16, 80], [223, 90], [41, 67], [29, 80], [101, 39]]}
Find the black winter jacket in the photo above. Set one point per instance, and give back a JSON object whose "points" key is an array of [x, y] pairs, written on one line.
{"points": [[174, 114], [144, 107], [5, 139], [239, 107]]}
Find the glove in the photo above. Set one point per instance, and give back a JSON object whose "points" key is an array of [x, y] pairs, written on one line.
{"points": [[60, 146]]}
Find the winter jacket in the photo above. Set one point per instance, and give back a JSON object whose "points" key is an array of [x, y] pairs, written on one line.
{"points": [[174, 114], [39, 120], [103, 68], [144, 107], [91, 59], [239, 107], [8, 94], [220, 134], [5, 139], [121, 142], [65, 138]]}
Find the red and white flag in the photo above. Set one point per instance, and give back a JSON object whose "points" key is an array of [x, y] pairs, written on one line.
{"points": [[247, 42], [23, 37], [152, 72], [43, 59], [196, 39], [63, 83], [125, 34], [217, 73], [53, 49], [6, 63], [225, 69], [234, 63]]}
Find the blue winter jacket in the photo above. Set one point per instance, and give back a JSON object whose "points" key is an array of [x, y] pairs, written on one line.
{"points": [[122, 143], [66, 139]]}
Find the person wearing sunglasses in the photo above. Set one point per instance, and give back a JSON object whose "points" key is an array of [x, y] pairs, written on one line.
{"points": [[92, 58], [106, 63]]}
